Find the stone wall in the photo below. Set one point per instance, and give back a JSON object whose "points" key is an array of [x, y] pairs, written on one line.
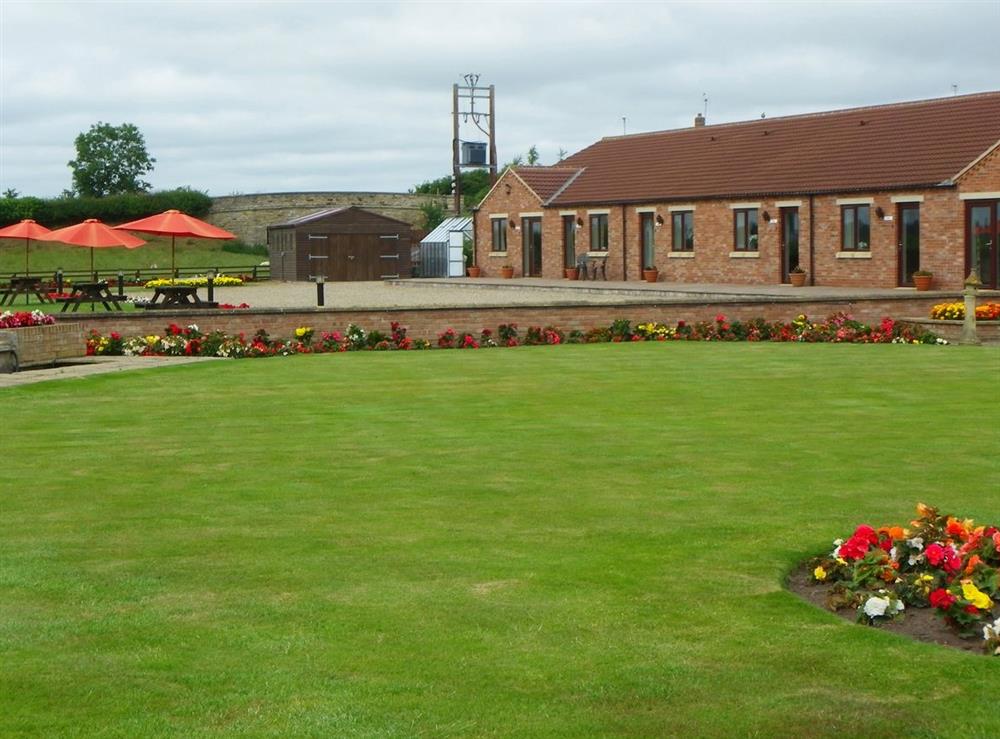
{"points": [[248, 216]]}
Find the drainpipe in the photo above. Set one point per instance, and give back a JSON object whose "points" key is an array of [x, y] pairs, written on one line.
{"points": [[812, 250], [624, 250]]}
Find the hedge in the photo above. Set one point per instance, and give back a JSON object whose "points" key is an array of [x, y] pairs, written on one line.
{"points": [[113, 209]]}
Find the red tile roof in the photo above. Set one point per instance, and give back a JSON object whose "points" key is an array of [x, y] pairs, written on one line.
{"points": [[888, 146], [545, 181]]}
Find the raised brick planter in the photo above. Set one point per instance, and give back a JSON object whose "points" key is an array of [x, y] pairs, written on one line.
{"points": [[987, 331], [40, 345]]}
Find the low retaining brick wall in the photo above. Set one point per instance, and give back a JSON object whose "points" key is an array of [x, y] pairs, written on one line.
{"points": [[987, 331], [427, 323], [36, 345]]}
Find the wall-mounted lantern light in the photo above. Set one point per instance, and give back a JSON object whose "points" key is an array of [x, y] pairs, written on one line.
{"points": [[659, 220], [879, 213], [766, 216]]}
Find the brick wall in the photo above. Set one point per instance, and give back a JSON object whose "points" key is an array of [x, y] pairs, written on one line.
{"points": [[248, 216], [429, 322], [942, 237], [45, 344], [984, 176]]}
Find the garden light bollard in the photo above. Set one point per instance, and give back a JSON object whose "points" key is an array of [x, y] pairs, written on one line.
{"points": [[969, 334], [211, 286], [320, 297], [59, 280], [121, 284]]}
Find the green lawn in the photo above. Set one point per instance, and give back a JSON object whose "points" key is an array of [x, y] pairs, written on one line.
{"points": [[191, 253], [569, 541]]}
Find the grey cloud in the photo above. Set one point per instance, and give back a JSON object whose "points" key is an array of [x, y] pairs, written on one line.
{"points": [[256, 97]]}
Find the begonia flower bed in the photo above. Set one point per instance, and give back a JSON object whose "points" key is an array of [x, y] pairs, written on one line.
{"points": [[936, 580], [191, 341], [23, 319]]}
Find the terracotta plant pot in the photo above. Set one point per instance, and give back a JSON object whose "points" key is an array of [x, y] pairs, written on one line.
{"points": [[651, 275], [506, 272], [572, 273], [798, 279], [474, 271], [922, 282]]}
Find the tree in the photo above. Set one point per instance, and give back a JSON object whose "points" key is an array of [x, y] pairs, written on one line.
{"points": [[110, 160], [533, 157], [433, 214]]}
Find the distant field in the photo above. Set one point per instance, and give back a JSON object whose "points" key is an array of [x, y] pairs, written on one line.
{"points": [[191, 253], [574, 541]]}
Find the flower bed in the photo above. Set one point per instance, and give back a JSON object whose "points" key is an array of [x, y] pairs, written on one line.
{"points": [[190, 340], [25, 318], [956, 312], [218, 281], [948, 566]]}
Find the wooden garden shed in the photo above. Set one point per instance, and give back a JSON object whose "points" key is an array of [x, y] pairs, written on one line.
{"points": [[342, 244]]}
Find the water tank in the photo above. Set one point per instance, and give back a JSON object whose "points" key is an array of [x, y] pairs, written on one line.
{"points": [[474, 152]]}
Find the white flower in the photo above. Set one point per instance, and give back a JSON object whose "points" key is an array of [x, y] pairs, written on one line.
{"points": [[894, 555], [875, 607], [991, 631], [914, 558], [917, 542]]}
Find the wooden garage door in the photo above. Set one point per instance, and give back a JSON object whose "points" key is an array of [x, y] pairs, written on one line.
{"points": [[354, 257]]}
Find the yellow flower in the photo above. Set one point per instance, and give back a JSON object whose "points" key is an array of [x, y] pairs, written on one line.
{"points": [[819, 573], [976, 596]]}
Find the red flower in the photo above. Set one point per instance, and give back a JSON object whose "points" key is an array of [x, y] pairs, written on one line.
{"points": [[971, 609], [934, 553], [942, 599], [867, 533]]}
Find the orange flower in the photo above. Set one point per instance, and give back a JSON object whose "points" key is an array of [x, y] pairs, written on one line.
{"points": [[973, 561], [954, 528], [893, 532]]}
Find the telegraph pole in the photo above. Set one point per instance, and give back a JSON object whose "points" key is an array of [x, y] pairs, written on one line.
{"points": [[464, 99]]}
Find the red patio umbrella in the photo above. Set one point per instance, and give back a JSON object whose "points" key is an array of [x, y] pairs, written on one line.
{"points": [[26, 229], [94, 234], [174, 223]]}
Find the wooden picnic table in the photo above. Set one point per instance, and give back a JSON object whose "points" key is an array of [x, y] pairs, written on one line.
{"points": [[23, 286], [178, 296], [93, 293]]}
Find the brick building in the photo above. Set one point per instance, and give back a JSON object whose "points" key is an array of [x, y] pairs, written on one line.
{"points": [[860, 197]]}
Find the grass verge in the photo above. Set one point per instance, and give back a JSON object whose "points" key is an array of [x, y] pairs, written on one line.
{"points": [[569, 541]]}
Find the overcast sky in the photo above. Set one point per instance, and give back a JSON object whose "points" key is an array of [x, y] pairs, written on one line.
{"points": [[244, 97]]}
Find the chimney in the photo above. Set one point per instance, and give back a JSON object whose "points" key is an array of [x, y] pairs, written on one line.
{"points": [[699, 121]]}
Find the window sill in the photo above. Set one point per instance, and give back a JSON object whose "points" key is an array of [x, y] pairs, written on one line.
{"points": [[497, 255], [853, 255], [744, 255], [680, 255]]}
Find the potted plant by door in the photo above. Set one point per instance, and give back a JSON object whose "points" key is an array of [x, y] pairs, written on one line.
{"points": [[572, 273], [507, 271], [922, 279], [474, 270], [650, 274], [797, 276]]}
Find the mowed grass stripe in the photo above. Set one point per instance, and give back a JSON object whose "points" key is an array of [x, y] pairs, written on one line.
{"points": [[580, 540]]}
